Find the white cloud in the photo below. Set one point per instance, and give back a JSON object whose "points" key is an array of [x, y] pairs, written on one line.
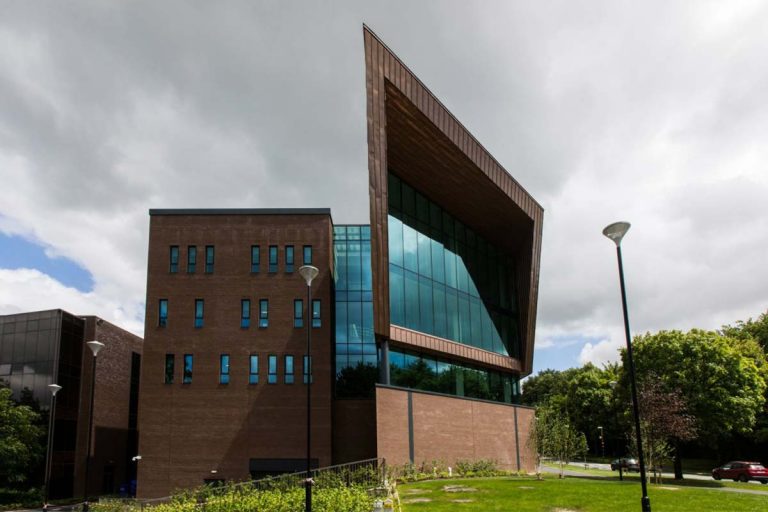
{"points": [[23, 290]]}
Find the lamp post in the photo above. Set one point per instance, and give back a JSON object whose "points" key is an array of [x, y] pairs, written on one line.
{"points": [[95, 347], [613, 384], [308, 272], [53, 388], [602, 441], [616, 232]]}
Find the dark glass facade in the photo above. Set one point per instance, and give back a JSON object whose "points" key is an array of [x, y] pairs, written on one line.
{"points": [[356, 355], [444, 279], [428, 373], [38, 349]]}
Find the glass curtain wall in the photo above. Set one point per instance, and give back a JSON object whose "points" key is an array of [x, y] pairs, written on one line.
{"points": [[356, 356], [428, 373], [444, 279]]}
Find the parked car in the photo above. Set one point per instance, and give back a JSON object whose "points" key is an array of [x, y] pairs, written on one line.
{"points": [[741, 471], [625, 464]]}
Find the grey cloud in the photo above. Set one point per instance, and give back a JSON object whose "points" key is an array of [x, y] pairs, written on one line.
{"points": [[646, 111]]}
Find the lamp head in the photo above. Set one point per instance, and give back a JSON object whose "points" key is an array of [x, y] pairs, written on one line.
{"points": [[616, 231], [54, 388], [308, 272], [95, 346]]}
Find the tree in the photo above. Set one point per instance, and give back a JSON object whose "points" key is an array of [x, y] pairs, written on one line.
{"points": [[20, 446], [754, 329], [554, 436], [584, 394], [663, 423], [722, 388]]}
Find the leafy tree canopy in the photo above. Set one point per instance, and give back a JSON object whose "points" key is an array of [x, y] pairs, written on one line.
{"points": [[20, 446], [722, 387]]}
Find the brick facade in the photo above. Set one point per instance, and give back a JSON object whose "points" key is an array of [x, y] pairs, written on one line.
{"points": [[420, 427], [204, 429]]}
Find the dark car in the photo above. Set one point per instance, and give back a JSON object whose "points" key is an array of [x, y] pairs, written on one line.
{"points": [[625, 464], [741, 471]]}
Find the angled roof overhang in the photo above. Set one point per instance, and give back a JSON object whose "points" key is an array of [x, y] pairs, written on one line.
{"points": [[413, 135]]}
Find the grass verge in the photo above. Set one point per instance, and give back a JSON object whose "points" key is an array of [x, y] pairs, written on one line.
{"points": [[567, 495]]}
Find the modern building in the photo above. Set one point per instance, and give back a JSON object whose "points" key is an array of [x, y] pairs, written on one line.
{"points": [[47, 347], [422, 319]]}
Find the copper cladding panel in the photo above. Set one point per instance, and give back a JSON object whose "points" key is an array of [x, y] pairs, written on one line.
{"points": [[414, 135]]}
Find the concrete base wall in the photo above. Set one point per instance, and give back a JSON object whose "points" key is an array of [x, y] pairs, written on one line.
{"points": [[418, 427]]}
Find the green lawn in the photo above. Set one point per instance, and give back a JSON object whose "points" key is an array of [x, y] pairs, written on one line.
{"points": [[570, 494]]}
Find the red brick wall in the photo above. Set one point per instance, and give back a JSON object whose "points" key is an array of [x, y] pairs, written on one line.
{"points": [[448, 429], [109, 438], [188, 430], [354, 430]]}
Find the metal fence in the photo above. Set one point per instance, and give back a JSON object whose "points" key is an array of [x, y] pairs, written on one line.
{"points": [[370, 474]]}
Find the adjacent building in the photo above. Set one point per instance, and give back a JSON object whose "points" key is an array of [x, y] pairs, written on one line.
{"points": [[422, 319], [47, 347]]}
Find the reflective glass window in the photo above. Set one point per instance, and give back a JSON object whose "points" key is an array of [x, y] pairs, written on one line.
{"points": [[272, 370], [307, 255], [199, 305], [289, 258], [162, 317], [224, 369], [174, 257], [245, 313], [264, 313], [307, 368], [253, 369], [316, 318], [288, 369], [191, 259], [445, 279], [170, 363], [208, 259], [298, 313], [187, 377]]}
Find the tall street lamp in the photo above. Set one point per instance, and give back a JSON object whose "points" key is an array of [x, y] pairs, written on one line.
{"points": [[616, 232], [95, 347], [308, 272], [53, 388], [602, 440], [613, 384]]}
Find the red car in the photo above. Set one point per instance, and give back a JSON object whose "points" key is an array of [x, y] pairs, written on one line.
{"points": [[741, 471]]}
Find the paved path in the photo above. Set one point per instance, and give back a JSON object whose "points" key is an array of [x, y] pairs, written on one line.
{"points": [[573, 470]]}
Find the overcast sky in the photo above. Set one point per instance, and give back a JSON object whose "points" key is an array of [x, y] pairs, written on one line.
{"points": [[650, 112]]}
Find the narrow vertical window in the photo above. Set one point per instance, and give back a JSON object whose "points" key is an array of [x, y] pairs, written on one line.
{"points": [[255, 258], [316, 321], [162, 313], [288, 369], [208, 259], [253, 369], [273, 258], [298, 313], [191, 259], [264, 313], [170, 367], [289, 258], [307, 369], [307, 254], [245, 313], [174, 256], [199, 313], [187, 378], [224, 369], [272, 375]]}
